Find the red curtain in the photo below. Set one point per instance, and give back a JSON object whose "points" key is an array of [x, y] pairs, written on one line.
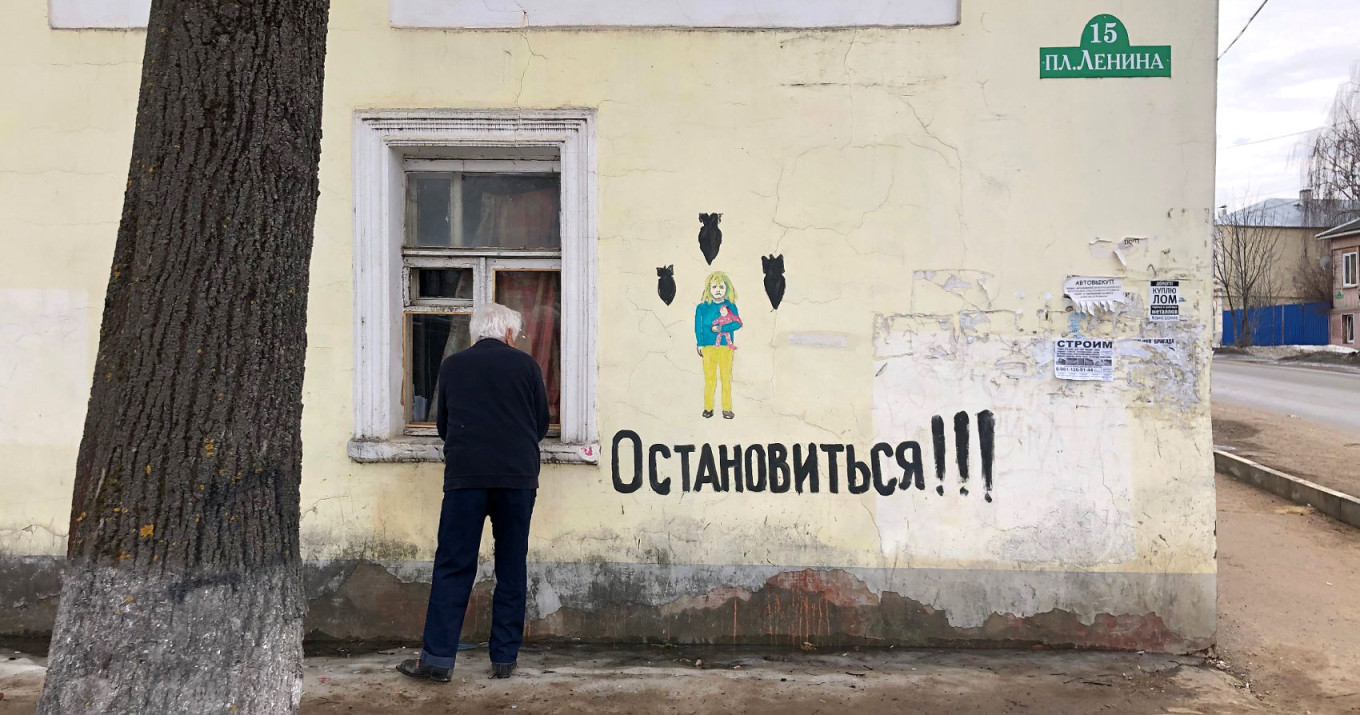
{"points": [[537, 295]]}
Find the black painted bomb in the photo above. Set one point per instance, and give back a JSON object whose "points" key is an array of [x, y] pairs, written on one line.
{"points": [[773, 266], [710, 236], [665, 283]]}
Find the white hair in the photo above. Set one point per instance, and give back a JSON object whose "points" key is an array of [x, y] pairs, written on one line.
{"points": [[493, 320]]}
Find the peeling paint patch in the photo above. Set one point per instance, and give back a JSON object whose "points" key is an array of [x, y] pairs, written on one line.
{"points": [[711, 599], [1159, 373], [949, 290]]}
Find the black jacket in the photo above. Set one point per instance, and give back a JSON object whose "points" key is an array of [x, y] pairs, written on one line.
{"points": [[493, 411]]}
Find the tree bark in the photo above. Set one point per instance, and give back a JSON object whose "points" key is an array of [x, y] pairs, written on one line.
{"points": [[183, 591]]}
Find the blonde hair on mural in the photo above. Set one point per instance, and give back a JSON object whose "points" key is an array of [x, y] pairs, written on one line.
{"points": [[714, 277]]}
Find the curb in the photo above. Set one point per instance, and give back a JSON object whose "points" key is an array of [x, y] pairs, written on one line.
{"points": [[1342, 507]]}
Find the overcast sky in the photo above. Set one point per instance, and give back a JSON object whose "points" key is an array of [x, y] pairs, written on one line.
{"points": [[1278, 80]]}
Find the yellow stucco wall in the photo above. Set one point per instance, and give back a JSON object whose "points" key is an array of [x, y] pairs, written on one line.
{"points": [[928, 191]]}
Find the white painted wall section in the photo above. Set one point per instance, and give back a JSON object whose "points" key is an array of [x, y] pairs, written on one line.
{"points": [[98, 14], [673, 13], [44, 368], [1063, 497]]}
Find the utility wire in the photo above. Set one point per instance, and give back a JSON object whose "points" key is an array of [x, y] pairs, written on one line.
{"points": [[1267, 139], [1244, 28]]}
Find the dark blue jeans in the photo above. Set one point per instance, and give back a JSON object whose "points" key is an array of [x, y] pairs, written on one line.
{"points": [[455, 570]]}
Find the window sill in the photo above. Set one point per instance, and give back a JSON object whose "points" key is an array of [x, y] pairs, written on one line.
{"points": [[411, 449]]}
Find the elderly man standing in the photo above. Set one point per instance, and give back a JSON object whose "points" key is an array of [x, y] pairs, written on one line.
{"points": [[492, 413]]}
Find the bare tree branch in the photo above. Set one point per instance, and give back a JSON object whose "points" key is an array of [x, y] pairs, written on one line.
{"points": [[1333, 166]]}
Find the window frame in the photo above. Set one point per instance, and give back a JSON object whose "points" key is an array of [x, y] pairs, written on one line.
{"points": [[386, 144], [1350, 263], [1348, 320]]}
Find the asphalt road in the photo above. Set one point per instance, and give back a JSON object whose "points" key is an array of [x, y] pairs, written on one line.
{"points": [[1325, 395]]}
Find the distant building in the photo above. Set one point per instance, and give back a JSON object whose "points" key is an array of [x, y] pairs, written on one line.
{"points": [[1299, 256], [1287, 302], [1343, 246]]}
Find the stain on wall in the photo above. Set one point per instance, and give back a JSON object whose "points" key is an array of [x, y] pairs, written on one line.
{"points": [[775, 606]]}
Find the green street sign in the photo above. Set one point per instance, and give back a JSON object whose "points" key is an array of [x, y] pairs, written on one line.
{"points": [[1105, 52]]}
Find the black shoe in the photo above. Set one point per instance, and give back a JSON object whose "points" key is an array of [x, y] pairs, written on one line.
{"points": [[708, 413], [729, 415], [502, 670], [417, 669]]}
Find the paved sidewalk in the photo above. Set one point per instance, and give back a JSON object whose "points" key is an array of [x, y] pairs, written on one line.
{"points": [[723, 680]]}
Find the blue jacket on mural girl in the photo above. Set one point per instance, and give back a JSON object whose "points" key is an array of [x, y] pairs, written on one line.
{"points": [[707, 314]]}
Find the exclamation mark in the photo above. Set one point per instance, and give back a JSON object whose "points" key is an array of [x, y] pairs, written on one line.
{"points": [[986, 431], [937, 440], [961, 449]]}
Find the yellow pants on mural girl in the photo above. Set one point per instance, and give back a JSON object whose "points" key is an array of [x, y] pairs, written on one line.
{"points": [[718, 365]]}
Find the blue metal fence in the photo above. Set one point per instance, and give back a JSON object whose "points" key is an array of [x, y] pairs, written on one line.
{"points": [[1292, 324]]}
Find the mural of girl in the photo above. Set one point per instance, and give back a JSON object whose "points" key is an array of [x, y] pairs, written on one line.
{"points": [[716, 321]]}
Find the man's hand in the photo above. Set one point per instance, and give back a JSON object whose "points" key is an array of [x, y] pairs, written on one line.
{"points": [[716, 329], [699, 352]]}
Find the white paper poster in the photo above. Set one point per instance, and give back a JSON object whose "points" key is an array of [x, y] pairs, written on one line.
{"points": [[1164, 301], [1078, 359], [1091, 293]]}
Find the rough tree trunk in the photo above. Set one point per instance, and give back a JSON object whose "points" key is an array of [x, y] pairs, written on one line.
{"points": [[183, 592]]}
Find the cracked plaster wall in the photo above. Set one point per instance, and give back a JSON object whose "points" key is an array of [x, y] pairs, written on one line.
{"points": [[929, 195]]}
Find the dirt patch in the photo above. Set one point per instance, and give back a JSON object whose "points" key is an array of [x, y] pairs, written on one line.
{"points": [[1234, 432], [1292, 445], [1287, 579]]}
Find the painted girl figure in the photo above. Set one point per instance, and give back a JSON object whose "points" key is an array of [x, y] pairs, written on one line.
{"points": [[716, 322]]}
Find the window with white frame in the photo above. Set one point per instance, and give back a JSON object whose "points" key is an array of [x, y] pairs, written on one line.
{"points": [[478, 232], [1348, 329], [1349, 276], [454, 209]]}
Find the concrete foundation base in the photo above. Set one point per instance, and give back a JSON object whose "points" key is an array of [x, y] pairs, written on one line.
{"points": [[767, 605]]}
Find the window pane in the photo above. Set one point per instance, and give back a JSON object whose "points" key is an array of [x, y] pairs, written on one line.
{"points": [[431, 197], [537, 295], [431, 338], [443, 282], [511, 211]]}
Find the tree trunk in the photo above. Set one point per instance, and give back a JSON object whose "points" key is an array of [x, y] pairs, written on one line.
{"points": [[183, 591]]}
